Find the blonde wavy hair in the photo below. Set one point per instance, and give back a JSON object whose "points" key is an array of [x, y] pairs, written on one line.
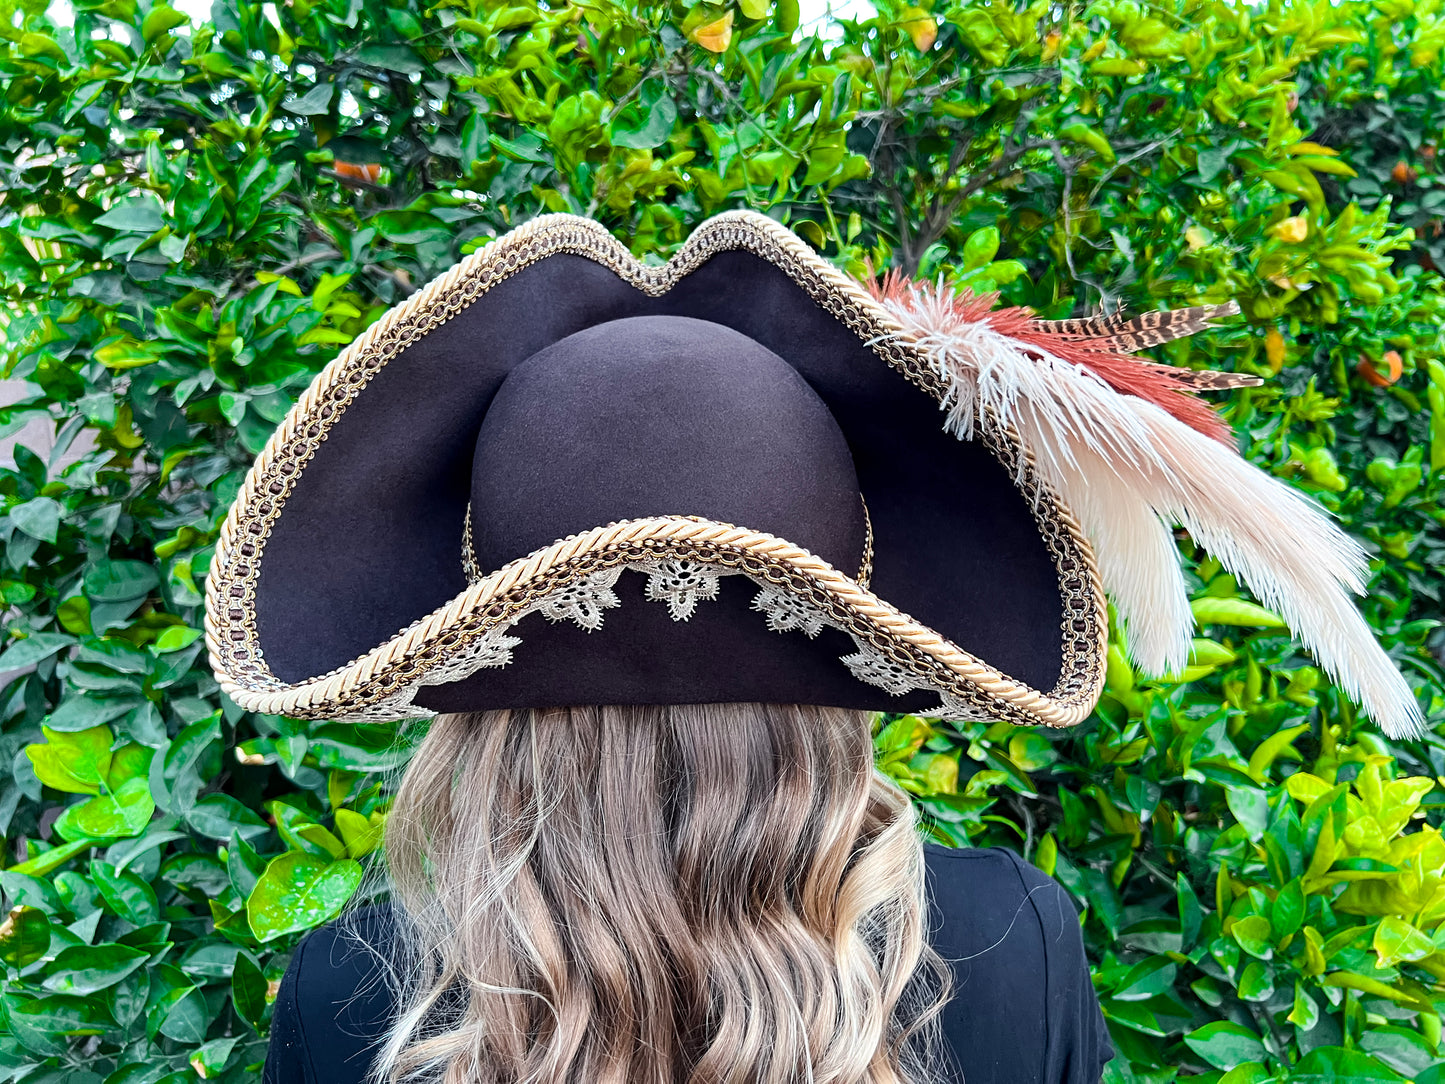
{"points": [[654, 895]]}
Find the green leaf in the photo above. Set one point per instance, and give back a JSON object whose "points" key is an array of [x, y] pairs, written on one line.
{"points": [[210, 1060], [1272, 748], [1149, 978], [1088, 136], [1191, 914], [218, 815], [134, 214], [119, 815], [243, 866], [1402, 1049], [980, 248], [1233, 611], [1225, 1044], [181, 1014], [299, 891], [1250, 807], [43, 1024], [125, 893], [86, 711], [34, 648], [130, 761], [36, 45], [360, 834], [649, 123], [119, 581], [177, 637], [13, 593], [1305, 1014], [1336, 1065], [176, 776], [87, 969], [1252, 933], [38, 517], [127, 353], [314, 102], [1251, 1072], [394, 58], [51, 860], [248, 991], [162, 18], [1212, 162], [1350, 980], [1256, 982], [27, 891], [1288, 910], [24, 936]]}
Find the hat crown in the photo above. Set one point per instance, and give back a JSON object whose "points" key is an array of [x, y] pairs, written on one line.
{"points": [[661, 416]]}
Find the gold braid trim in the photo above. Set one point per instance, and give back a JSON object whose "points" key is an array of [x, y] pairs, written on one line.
{"points": [[474, 574]]}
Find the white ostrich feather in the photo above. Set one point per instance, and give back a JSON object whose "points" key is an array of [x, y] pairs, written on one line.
{"points": [[1138, 561], [1130, 470]]}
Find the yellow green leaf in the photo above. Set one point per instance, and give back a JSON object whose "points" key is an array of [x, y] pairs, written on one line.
{"points": [[920, 27], [325, 335], [1089, 136], [1396, 941], [361, 835], [127, 353], [1269, 750], [1118, 66], [1209, 610], [131, 761], [1047, 856], [715, 35], [1349, 980], [1305, 788], [76, 762], [53, 859], [161, 19]]}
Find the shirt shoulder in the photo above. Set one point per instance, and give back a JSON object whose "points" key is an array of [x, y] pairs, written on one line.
{"points": [[991, 876], [1023, 1007], [334, 1003]]}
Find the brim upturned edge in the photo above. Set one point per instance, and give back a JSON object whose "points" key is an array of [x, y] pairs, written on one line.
{"points": [[367, 686]]}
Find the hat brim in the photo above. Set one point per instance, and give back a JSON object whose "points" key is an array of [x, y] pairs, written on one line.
{"points": [[394, 615]]}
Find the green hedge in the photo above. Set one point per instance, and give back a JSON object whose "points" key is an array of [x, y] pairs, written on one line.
{"points": [[194, 218]]}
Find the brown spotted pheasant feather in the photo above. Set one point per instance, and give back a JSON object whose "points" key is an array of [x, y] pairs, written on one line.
{"points": [[1129, 335], [1133, 450]]}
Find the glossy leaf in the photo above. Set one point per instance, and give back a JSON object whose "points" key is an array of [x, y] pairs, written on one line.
{"points": [[299, 891]]}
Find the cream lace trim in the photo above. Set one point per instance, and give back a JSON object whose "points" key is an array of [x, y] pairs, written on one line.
{"points": [[680, 585]]}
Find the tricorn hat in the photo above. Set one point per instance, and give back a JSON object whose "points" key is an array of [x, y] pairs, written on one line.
{"points": [[558, 475]]}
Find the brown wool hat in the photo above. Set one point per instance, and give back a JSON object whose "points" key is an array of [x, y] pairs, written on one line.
{"points": [[558, 475]]}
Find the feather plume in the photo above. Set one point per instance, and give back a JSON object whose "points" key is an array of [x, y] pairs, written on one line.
{"points": [[1129, 336], [1129, 450], [1098, 344]]}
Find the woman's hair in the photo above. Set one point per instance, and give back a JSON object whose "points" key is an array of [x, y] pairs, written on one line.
{"points": [[657, 895]]}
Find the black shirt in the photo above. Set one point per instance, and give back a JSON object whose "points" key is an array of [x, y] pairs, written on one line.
{"points": [[1023, 1010]]}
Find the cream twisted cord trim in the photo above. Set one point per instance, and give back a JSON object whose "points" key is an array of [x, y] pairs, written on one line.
{"points": [[474, 573], [381, 684]]}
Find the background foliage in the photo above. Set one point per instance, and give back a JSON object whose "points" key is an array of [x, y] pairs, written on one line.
{"points": [[195, 217]]}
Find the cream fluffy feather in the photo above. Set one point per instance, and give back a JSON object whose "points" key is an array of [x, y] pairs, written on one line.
{"points": [[1130, 471]]}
